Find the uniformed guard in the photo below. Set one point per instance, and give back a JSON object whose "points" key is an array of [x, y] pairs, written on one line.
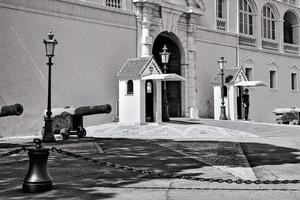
{"points": [[246, 102]]}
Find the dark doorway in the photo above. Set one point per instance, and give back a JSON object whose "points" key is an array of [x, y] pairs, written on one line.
{"points": [[173, 87], [149, 101], [239, 102]]}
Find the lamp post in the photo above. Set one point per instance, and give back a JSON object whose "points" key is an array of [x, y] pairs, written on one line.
{"points": [[221, 64], [164, 60], [48, 132]]}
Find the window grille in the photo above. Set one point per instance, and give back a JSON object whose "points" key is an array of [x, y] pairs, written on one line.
{"points": [[220, 9], [114, 3], [248, 72], [272, 79], [294, 81], [221, 14], [292, 2], [130, 87]]}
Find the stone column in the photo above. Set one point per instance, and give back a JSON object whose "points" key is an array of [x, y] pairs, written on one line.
{"points": [[146, 40], [158, 101], [139, 18], [296, 39], [257, 30], [191, 68], [280, 33]]}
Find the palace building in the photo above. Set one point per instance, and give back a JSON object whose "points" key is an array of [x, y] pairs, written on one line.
{"points": [[259, 39]]}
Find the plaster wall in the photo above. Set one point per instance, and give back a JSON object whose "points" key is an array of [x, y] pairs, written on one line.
{"points": [[206, 70], [132, 106], [209, 19], [89, 54], [263, 100]]}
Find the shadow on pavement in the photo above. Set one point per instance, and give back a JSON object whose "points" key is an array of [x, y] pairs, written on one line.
{"points": [[84, 180], [190, 122], [266, 154]]}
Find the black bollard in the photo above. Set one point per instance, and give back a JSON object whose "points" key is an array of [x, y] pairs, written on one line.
{"points": [[38, 178]]}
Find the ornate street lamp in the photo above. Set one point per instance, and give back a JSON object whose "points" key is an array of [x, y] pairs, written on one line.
{"points": [[50, 43], [221, 64], [164, 60]]}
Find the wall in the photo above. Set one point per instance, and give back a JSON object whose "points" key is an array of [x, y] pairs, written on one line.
{"points": [[89, 54], [207, 67], [264, 100], [132, 107]]}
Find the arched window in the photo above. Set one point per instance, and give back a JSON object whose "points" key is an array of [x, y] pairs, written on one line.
{"points": [[130, 87], [290, 31], [268, 23], [245, 17]]}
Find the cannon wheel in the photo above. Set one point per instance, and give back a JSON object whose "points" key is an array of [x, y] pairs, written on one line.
{"points": [[294, 122], [65, 133], [81, 132]]}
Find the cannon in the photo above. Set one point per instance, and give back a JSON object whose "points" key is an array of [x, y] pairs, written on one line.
{"points": [[16, 109], [69, 120], [287, 115]]}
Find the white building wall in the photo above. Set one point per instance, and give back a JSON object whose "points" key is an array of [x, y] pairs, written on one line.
{"points": [[231, 103], [132, 106]]}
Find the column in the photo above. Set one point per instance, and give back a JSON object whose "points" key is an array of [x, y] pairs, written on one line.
{"points": [[146, 40], [296, 39], [139, 18], [280, 35], [257, 30], [158, 101], [191, 69]]}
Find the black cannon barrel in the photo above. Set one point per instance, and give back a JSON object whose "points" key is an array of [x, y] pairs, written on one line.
{"points": [[91, 110], [16, 109]]}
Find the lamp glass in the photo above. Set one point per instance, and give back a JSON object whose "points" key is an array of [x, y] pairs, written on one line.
{"points": [[49, 48], [221, 63]]}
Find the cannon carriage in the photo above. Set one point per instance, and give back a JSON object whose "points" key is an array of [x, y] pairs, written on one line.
{"points": [[287, 115], [69, 120]]}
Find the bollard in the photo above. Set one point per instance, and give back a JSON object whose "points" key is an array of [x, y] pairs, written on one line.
{"points": [[38, 178]]}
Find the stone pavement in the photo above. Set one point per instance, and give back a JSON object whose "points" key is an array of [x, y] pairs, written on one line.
{"points": [[202, 148]]}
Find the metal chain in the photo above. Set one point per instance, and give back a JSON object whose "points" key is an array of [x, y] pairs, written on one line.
{"points": [[15, 151], [171, 174]]}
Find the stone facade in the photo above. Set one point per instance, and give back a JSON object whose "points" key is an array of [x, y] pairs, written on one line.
{"points": [[97, 36]]}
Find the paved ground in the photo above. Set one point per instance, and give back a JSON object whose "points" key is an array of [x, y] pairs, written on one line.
{"points": [[201, 148]]}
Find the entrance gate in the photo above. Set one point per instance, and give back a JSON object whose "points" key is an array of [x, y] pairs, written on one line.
{"points": [[173, 87]]}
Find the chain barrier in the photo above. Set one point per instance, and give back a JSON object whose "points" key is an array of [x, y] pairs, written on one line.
{"points": [[158, 174], [171, 174], [15, 151]]}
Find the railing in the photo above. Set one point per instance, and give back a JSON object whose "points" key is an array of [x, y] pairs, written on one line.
{"points": [[291, 48], [292, 2], [270, 44], [114, 3], [247, 40], [221, 24]]}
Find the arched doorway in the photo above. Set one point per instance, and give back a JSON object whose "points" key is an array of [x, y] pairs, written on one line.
{"points": [[173, 87]]}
